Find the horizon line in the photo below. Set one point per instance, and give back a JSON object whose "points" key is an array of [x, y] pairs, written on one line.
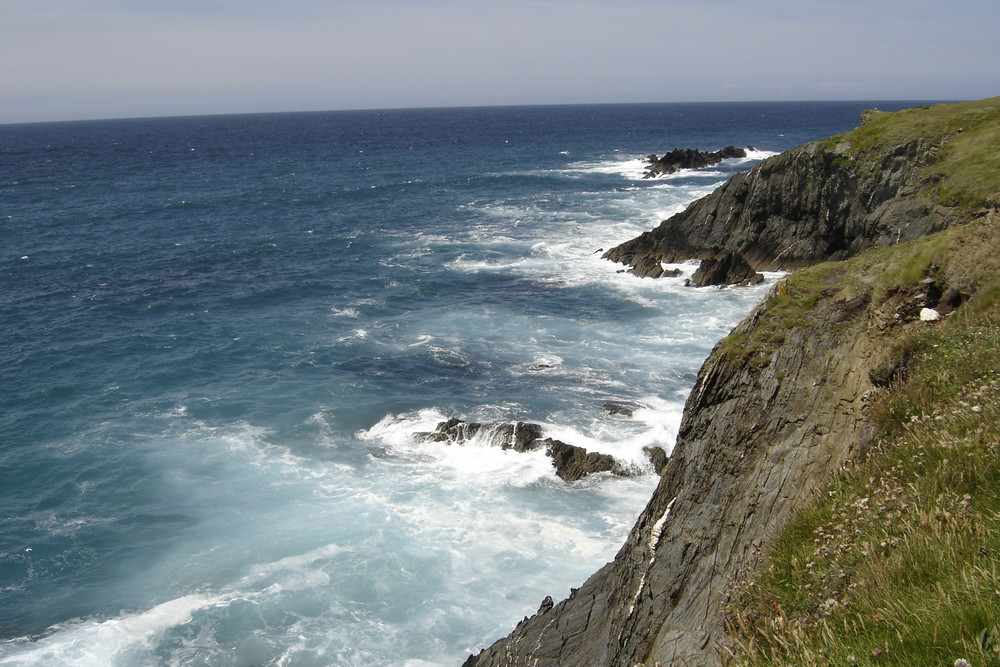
{"points": [[458, 107]]}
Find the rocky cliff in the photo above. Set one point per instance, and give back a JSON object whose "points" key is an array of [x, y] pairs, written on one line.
{"points": [[815, 203], [779, 405], [763, 429]]}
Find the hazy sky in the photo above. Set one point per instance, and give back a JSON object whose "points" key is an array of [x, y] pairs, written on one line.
{"points": [[70, 59]]}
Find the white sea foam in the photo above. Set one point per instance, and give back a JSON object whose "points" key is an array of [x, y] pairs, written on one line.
{"points": [[654, 423], [632, 169], [296, 562], [356, 335], [756, 155], [480, 461], [422, 340], [102, 643], [477, 462]]}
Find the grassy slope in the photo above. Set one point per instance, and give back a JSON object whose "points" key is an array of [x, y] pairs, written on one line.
{"points": [[898, 562], [967, 172]]}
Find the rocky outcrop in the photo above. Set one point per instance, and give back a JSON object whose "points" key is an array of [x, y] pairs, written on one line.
{"points": [[688, 158], [728, 269], [571, 463], [810, 204], [519, 436]]}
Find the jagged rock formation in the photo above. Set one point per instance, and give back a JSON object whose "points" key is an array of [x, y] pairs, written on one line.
{"points": [[519, 436], [728, 269], [571, 463], [688, 158], [811, 204], [777, 408]]}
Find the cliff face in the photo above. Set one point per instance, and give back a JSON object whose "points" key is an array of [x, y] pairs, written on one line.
{"points": [[780, 404], [758, 438], [811, 204]]}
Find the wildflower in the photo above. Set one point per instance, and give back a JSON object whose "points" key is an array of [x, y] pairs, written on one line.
{"points": [[828, 607], [961, 662], [877, 652]]}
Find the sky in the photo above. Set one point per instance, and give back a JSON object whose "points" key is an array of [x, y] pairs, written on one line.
{"points": [[86, 59]]}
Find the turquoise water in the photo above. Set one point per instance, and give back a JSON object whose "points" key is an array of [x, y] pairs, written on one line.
{"points": [[221, 333]]}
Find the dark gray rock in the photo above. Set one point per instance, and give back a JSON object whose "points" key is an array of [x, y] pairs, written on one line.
{"points": [[728, 269], [573, 463], [808, 205], [688, 158], [658, 457], [615, 408], [519, 436]]}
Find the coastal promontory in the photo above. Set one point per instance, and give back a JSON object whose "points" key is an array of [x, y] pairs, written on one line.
{"points": [[788, 462]]}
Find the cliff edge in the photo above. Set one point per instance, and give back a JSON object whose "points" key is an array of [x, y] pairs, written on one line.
{"points": [[782, 402], [893, 179]]}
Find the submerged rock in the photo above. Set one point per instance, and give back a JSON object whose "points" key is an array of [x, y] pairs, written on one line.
{"points": [[615, 408]]}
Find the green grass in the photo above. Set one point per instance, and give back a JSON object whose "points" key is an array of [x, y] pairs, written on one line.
{"points": [[898, 560], [791, 305], [967, 135]]}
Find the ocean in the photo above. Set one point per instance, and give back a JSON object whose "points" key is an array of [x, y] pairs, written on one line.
{"points": [[222, 334]]}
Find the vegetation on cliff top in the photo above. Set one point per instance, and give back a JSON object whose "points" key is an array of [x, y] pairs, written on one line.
{"points": [[898, 561], [967, 136]]}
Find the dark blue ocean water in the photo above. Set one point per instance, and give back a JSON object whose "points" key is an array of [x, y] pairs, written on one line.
{"points": [[221, 333]]}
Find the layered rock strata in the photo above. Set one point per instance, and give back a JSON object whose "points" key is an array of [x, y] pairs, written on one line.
{"points": [[811, 204]]}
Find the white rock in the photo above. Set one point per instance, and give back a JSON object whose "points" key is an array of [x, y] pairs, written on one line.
{"points": [[929, 315]]}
